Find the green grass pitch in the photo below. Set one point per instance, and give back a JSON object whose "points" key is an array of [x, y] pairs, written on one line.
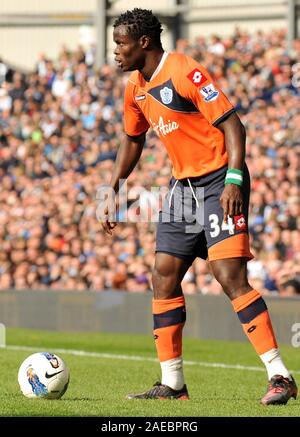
{"points": [[99, 382]]}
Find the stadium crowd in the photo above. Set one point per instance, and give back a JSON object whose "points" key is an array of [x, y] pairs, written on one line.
{"points": [[60, 128]]}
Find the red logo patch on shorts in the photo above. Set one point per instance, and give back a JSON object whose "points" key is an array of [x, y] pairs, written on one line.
{"points": [[240, 222], [197, 77]]}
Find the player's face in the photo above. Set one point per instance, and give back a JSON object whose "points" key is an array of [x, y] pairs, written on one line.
{"points": [[129, 53]]}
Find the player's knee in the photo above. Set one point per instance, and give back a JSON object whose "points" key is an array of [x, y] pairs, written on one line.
{"points": [[231, 281], [164, 280], [163, 268]]}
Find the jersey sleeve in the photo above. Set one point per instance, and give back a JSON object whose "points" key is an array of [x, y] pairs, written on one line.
{"points": [[134, 121], [196, 84]]}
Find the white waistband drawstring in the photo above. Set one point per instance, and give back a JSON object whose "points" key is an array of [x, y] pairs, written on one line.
{"points": [[173, 189], [172, 192], [193, 193]]}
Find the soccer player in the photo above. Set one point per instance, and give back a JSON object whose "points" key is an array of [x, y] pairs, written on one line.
{"points": [[205, 140]]}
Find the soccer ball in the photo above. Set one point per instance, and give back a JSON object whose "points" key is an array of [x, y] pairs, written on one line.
{"points": [[43, 375]]}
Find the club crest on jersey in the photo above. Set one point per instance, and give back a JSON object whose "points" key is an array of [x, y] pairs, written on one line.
{"points": [[240, 222], [196, 77], [166, 95], [209, 92]]}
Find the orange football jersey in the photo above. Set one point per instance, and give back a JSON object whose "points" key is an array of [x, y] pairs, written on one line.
{"points": [[182, 104]]}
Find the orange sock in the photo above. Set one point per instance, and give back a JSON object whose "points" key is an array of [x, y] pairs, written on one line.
{"points": [[169, 318], [254, 316]]}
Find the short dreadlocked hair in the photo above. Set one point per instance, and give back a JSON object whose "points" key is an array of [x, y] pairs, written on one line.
{"points": [[141, 22]]}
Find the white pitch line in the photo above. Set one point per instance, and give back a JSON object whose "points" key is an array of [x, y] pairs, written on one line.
{"points": [[139, 358]]}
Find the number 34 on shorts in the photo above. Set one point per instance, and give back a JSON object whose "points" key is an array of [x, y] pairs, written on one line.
{"points": [[236, 223]]}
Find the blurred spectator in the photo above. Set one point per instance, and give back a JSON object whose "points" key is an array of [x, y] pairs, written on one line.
{"points": [[290, 288]]}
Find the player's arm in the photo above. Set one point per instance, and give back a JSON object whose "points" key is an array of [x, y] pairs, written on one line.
{"points": [[128, 155], [136, 127], [235, 139]]}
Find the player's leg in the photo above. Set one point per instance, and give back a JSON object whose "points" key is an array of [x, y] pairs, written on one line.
{"points": [[169, 318], [253, 314], [169, 315], [175, 252], [228, 253]]}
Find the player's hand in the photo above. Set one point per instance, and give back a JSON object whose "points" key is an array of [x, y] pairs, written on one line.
{"points": [[106, 210], [107, 223], [231, 201]]}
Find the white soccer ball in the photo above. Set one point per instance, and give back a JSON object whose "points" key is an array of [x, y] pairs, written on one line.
{"points": [[43, 375]]}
